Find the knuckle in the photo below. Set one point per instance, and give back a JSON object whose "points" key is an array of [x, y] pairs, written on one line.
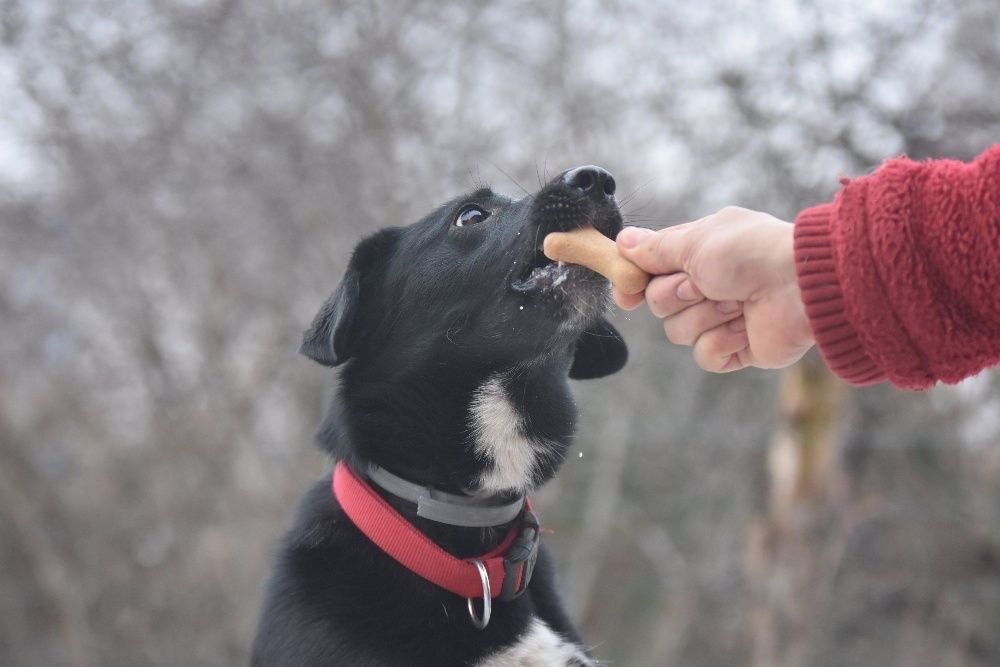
{"points": [[662, 295], [658, 298], [732, 212], [655, 247], [689, 240]]}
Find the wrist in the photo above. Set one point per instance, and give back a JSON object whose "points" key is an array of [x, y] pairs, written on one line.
{"points": [[815, 264]]}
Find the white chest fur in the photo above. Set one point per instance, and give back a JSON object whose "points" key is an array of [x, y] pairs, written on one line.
{"points": [[500, 439], [540, 646]]}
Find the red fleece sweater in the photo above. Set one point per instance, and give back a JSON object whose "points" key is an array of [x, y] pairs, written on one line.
{"points": [[900, 275]]}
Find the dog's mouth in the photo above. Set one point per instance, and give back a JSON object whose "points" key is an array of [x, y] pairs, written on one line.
{"points": [[543, 274], [581, 196]]}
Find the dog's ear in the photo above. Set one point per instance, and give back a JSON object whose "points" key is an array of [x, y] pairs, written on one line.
{"points": [[600, 350], [327, 339], [332, 337]]}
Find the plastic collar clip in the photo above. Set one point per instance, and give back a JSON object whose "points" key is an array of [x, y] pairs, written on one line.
{"points": [[519, 561]]}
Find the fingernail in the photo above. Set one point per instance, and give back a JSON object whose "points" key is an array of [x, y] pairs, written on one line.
{"points": [[685, 291], [738, 325], [630, 237], [728, 306]]}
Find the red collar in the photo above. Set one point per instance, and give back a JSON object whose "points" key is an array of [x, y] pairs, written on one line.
{"points": [[508, 567]]}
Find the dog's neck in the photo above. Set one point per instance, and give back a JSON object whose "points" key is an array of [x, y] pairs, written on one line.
{"points": [[482, 431], [459, 541], [517, 450]]}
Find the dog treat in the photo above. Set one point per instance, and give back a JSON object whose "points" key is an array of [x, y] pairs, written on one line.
{"points": [[590, 248]]}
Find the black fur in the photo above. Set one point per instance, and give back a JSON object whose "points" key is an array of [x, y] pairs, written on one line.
{"points": [[424, 315]]}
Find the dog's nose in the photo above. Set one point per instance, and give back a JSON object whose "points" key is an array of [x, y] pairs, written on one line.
{"points": [[592, 180]]}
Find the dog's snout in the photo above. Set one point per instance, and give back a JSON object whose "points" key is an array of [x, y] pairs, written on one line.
{"points": [[596, 182]]}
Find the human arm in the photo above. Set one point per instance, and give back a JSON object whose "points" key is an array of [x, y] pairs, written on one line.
{"points": [[900, 274], [897, 278]]}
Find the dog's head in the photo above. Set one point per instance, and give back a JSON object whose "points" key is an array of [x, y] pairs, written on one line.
{"points": [[457, 330]]}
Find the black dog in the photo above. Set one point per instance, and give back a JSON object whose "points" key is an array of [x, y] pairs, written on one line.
{"points": [[457, 337]]}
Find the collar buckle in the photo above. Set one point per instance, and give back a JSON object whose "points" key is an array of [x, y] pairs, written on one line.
{"points": [[519, 561]]}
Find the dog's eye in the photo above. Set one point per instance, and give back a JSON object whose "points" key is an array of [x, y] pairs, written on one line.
{"points": [[471, 215]]}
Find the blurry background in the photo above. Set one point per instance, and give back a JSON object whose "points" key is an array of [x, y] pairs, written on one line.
{"points": [[180, 185]]}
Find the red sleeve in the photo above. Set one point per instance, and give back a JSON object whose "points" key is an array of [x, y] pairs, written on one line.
{"points": [[900, 275]]}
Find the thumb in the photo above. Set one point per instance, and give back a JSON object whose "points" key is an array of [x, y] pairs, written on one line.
{"points": [[657, 253]]}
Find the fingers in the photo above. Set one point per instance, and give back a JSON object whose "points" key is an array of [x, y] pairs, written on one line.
{"points": [[627, 301], [716, 331], [668, 295], [657, 253], [687, 326], [739, 259], [724, 348]]}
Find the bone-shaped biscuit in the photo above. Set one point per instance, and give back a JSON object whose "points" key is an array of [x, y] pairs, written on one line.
{"points": [[590, 248]]}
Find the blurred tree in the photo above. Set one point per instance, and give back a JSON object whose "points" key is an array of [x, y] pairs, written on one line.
{"points": [[180, 184]]}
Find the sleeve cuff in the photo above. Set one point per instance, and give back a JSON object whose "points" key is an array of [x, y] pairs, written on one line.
{"points": [[816, 268]]}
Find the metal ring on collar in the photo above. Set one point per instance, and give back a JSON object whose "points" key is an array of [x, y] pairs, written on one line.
{"points": [[481, 621]]}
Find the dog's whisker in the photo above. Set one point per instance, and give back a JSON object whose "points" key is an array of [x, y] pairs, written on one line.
{"points": [[631, 195], [512, 179], [648, 222]]}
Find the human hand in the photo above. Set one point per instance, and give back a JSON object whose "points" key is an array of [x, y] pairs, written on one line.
{"points": [[725, 285]]}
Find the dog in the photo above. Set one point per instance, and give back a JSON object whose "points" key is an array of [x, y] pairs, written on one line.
{"points": [[456, 337]]}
